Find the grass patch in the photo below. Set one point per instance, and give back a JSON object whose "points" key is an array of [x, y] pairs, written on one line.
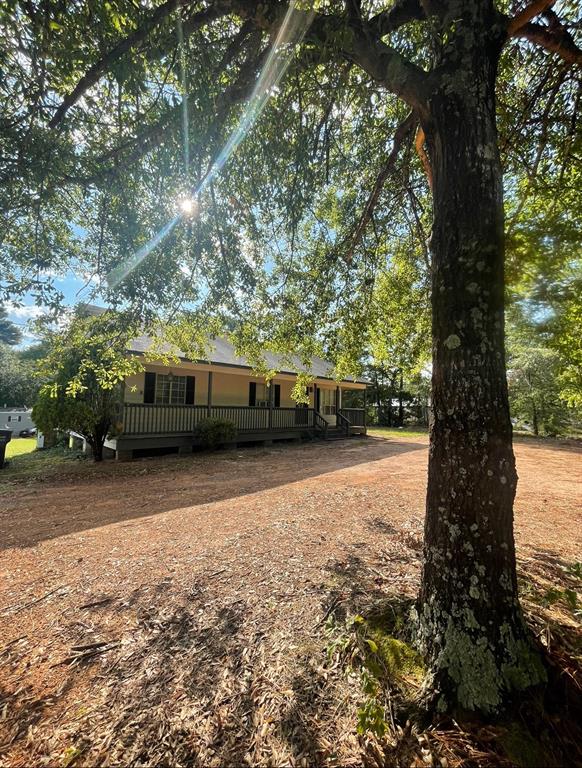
{"points": [[61, 464], [19, 446], [398, 432], [30, 465]]}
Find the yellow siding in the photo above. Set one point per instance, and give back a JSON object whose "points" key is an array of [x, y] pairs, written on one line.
{"points": [[228, 388]]}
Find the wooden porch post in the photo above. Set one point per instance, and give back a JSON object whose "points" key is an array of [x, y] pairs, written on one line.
{"points": [[337, 402], [209, 402], [365, 403], [271, 396]]}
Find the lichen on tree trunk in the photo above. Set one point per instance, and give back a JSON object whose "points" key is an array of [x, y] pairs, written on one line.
{"points": [[471, 628]]}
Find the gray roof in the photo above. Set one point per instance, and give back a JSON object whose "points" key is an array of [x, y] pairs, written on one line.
{"points": [[222, 353]]}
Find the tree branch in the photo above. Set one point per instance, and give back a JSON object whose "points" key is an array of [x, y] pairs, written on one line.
{"points": [[556, 41], [402, 12], [388, 67], [94, 73], [529, 12], [235, 93], [357, 40], [402, 132]]}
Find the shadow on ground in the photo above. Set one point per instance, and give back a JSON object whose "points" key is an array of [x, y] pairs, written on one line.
{"points": [[37, 513], [202, 680]]}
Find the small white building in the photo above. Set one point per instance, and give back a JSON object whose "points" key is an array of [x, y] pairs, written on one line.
{"points": [[16, 419]]}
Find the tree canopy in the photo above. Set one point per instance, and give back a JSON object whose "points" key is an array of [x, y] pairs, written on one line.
{"points": [[288, 236], [18, 387]]}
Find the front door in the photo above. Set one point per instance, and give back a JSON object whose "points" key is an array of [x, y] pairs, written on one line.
{"points": [[326, 404]]}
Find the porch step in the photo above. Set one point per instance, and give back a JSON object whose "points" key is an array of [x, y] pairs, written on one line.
{"points": [[336, 434]]}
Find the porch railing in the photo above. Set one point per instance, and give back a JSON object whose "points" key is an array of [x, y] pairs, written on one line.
{"points": [[247, 419], [147, 419], [292, 418], [356, 416]]}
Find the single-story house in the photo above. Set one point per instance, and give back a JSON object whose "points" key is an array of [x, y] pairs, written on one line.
{"points": [[163, 404]]}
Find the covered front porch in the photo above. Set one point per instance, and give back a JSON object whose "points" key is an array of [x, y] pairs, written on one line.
{"points": [[167, 425]]}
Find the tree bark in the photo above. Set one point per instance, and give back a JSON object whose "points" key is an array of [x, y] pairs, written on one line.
{"points": [[379, 402], [97, 448], [471, 628], [98, 437], [400, 401], [391, 395]]}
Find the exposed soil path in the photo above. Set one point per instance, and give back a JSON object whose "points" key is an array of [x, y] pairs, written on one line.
{"points": [[205, 579]]}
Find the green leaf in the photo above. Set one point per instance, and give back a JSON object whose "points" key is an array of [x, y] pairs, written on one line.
{"points": [[372, 645]]}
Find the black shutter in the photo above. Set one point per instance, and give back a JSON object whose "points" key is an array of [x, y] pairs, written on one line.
{"points": [[149, 388], [190, 383], [277, 395], [252, 393]]}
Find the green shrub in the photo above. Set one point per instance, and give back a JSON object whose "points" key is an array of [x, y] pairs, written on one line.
{"points": [[214, 432]]}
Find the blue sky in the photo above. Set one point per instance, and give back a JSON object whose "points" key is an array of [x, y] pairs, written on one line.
{"points": [[74, 290]]}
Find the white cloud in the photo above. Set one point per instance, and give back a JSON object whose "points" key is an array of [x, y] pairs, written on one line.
{"points": [[30, 312], [90, 278]]}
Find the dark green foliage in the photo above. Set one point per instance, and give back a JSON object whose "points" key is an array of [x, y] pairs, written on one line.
{"points": [[9, 332], [215, 432], [84, 369], [18, 385], [91, 414], [540, 376]]}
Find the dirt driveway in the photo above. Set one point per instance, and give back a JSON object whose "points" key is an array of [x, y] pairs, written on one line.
{"points": [[170, 611]]}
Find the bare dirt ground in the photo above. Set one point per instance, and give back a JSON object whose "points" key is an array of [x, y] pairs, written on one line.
{"points": [[172, 611]]}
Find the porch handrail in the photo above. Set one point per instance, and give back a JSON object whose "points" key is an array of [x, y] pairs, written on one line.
{"points": [[320, 423], [343, 422], [356, 416]]}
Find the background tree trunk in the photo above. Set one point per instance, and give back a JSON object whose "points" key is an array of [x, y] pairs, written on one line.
{"points": [[536, 428], [471, 627], [401, 400]]}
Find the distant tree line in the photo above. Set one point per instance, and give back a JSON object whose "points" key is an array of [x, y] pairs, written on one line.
{"points": [[18, 385]]}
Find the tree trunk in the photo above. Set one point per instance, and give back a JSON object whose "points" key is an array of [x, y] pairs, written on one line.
{"points": [[471, 628], [381, 398], [378, 399], [400, 401], [98, 437], [391, 392], [536, 427], [97, 448]]}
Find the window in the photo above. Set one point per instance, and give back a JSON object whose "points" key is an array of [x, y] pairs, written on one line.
{"points": [[262, 395], [170, 390], [259, 394]]}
